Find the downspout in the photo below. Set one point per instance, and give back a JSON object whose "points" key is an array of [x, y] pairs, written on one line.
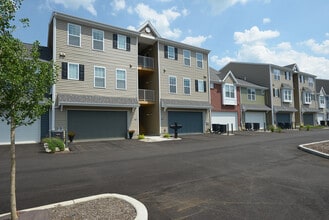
{"points": [[159, 88], [209, 97], [271, 94], [54, 86]]}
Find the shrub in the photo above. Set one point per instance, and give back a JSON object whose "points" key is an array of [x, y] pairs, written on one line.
{"points": [[279, 130], [141, 136], [308, 127], [54, 143], [272, 128], [166, 135]]}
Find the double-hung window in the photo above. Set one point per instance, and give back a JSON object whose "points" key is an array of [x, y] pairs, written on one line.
{"points": [[287, 75], [99, 77], [199, 60], [187, 57], [201, 86], [310, 82], [322, 101], [98, 39], [276, 74], [187, 86], [229, 94], [229, 91], [172, 84], [171, 52], [301, 79], [276, 92], [287, 95], [74, 32], [73, 71], [122, 42], [121, 79], [307, 98], [251, 94]]}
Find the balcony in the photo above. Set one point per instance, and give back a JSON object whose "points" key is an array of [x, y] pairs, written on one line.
{"points": [[146, 96], [145, 63]]}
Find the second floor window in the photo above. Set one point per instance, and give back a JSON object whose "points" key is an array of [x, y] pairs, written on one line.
{"points": [[74, 32], [229, 91], [199, 60], [252, 94], [172, 84], [187, 86], [121, 42], [276, 92], [307, 98], [287, 95], [276, 74], [98, 39], [187, 57], [121, 79], [321, 101], [73, 71], [99, 77], [287, 75]]}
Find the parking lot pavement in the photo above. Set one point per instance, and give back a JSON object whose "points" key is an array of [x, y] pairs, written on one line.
{"points": [[245, 176]]}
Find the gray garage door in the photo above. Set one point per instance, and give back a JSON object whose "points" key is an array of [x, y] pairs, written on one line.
{"points": [[97, 124], [192, 122], [308, 119]]}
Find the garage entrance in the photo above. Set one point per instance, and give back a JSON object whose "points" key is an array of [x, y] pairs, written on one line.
{"points": [[97, 124], [192, 122]]}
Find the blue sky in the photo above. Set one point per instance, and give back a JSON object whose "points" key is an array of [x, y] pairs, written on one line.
{"points": [[280, 32]]}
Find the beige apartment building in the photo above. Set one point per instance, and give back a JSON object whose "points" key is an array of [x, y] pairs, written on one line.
{"points": [[112, 80]]}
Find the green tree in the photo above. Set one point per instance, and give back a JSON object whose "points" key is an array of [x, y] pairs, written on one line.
{"points": [[24, 82]]}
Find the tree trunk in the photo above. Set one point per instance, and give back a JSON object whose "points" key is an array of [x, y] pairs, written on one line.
{"points": [[13, 172]]}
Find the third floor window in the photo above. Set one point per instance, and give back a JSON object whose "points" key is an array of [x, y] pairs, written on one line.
{"points": [[98, 39], [276, 74], [74, 32], [187, 57], [199, 60]]}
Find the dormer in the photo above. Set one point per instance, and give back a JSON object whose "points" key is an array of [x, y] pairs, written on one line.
{"points": [[229, 90]]}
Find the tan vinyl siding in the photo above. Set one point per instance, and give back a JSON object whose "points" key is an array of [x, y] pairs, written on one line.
{"points": [[178, 69], [110, 58]]}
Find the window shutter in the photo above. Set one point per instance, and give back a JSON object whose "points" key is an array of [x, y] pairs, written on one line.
{"points": [[115, 41], [166, 51], [205, 86], [81, 72], [176, 53], [196, 85], [64, 70], [128, 44]]}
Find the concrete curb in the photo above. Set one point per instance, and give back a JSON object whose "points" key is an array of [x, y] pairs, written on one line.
{"points": [[140, 208], [304, 147]]}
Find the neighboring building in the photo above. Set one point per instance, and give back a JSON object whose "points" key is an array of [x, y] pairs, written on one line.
{"points": [[113, 80], [279, 96], [34, 132], [253, 108], [304, 96], [225, 99], [322, 88]]}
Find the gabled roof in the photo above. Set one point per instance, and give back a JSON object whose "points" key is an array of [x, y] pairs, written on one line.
{"points": [[152, 29], [229, 73], [293, 66], [322, 83], [322, 91], [214, 75], [246, 84], [45, 52]]}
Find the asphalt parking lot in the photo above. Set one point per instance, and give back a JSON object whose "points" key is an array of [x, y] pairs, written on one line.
{"points": [[245, 176]]}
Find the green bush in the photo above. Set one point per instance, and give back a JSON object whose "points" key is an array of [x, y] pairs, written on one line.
{"points": [[272, 128], [141, 136], [53, 143], [166, 135], [279, 130], [308, 127]]}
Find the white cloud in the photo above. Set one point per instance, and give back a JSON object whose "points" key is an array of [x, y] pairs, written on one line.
{"points": [[327, 34], [118, 5], [161, 21], [185, 12], [219, 6], [221, 61], [319, 48], [254, 35], [266, 20], [196, 41], [76, 4]]}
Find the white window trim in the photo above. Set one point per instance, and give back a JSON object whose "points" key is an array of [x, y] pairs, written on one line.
{"points": [[310, 82], [287, 73], [187, 58], [92, 40], [251, 96], [276, 74], [184, 86], [171, 57], [229, 100], [116, 79], [170, 84], [200, 82], [100, 77], [68, 71], [284, 93], [322, 104], [68, 35], [307, 98], [197, 60], [118, 40]]}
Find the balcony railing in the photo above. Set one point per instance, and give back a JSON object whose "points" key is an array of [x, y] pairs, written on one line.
{"points": [[146, 62], [146, 95]]}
